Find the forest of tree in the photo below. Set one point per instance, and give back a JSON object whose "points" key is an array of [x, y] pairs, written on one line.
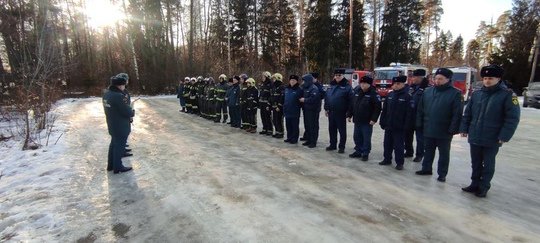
{"points": [[55, 43]]}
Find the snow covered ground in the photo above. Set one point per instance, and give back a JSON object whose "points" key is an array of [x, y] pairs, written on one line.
{"points": [[196, 181]]}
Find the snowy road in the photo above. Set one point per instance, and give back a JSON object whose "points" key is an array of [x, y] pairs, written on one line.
{"points": [[196, 181]]}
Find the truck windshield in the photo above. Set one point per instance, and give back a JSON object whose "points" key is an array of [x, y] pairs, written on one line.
{"points": [[386, 74], [459, 77]]}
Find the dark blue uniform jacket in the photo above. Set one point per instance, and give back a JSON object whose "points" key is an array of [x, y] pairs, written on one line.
{"points": [[396, 113], [439, 111], [117, 112], [492, 114], [338, 97], [292, 106]]}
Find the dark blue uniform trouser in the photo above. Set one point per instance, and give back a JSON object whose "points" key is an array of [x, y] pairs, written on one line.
{"points": [[311, 126], [444, 155], [483, 165], [182, 102], [293, 128], [235, 115], [393, 142], [337, 122], [117, 149], [409, 135], [362, 138]]}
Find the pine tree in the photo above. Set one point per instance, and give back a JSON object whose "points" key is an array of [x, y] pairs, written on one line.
{"points": [[456, 52], [400, 33], [472, 55], [518, 41], [318, 37]]}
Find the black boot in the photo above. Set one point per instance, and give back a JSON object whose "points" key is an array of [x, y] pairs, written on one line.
{"points": [[471, 189], [122, 170]]}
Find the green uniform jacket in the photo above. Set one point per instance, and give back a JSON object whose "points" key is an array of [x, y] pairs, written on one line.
{"points": [[439, 111], [117, 112], [491, 115]]}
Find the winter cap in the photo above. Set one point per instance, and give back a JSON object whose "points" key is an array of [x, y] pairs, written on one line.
{"points": [[123, 75], [339, 71], [445, 72], [115, 80], [399, 79], [278, 76], [492, 71], [295, 77], [419, 72], [307, 78], [315, 74], [267, 74], [237, 78], [366, 79], [244, 76]]}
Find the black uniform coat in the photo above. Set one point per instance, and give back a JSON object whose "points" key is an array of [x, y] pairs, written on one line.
{"points": [[365, 106]]}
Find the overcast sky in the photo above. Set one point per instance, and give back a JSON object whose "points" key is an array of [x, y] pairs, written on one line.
{"points": [[464, 16]]}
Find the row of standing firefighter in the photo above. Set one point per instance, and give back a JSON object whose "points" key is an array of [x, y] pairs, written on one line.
{"points": [[435, 114]]}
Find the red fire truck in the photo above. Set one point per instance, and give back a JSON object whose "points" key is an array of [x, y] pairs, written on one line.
{"points": [[354, 76], [463, 79], [384, 75]]}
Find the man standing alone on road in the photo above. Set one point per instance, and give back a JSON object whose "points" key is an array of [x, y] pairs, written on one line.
{"points": [[438, 116], [490, 120], [118, 113]]}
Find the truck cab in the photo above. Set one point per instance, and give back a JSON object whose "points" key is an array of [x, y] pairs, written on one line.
{"points": [[383, 76]]}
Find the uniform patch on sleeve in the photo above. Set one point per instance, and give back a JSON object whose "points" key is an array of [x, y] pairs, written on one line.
{"points": [[515, 100]]}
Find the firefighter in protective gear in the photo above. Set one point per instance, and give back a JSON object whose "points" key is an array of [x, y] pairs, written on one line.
{"points": [[180, 93], [200, 95], [264, 104], [211, 99], [187, 90], [243, 101], [221, 104], [252, 101], [193, 96], [276, 101]]}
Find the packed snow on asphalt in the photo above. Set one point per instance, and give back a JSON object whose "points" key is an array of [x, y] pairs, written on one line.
{"points": [[199, 181]]}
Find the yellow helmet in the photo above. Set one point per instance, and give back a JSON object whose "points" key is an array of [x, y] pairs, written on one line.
{"points": [[278, 76], [222, 77], [251, 81], [267, 74]]}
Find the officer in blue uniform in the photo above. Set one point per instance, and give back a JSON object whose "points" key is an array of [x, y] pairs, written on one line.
{"points": [[312, 108], [364, 111], [438, 116], [118, 113], [395, 119], [233, 102], [490, 120], [291, 109], [416, 90], [336, 104], [322, 94]]}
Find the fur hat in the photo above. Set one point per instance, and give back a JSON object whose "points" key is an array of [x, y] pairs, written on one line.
{"points": [[445, 72], [492, 71]]}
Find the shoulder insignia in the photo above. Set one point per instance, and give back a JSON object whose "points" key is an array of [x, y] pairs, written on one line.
{"points": [[515, 100]]}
